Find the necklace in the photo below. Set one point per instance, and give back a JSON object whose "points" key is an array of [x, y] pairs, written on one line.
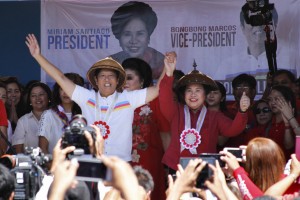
{"points": [[102, 121]]}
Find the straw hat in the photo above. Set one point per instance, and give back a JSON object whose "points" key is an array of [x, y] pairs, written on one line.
{"points": [[196, 77], [106, 63]]}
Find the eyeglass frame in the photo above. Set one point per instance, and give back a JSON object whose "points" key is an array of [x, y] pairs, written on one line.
{"points": [[264, 110]]}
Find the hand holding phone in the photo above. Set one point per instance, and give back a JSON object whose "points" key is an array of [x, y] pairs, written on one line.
{"points": [[237, 152]]}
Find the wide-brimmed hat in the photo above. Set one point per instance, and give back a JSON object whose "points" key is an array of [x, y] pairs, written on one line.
{"points": [[106, 63], [198, 77]]}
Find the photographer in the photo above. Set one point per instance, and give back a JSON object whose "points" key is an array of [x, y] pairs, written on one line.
{"points": [[264, 164], [7, 184], [96, 147]]}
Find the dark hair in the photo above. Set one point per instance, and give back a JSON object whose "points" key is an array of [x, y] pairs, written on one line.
{"points": [[78, 80], [289, 74], [222, 89], [45, 88], [21, 106], [130, 10], [144, 178], [142, 69], [288, 95], [7, 183], [177, 74], [12, 79], [244, 78], [181, 92]]}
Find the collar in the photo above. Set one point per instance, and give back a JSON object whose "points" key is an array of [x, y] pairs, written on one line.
{"points": [[195, 113], [109, 98]]}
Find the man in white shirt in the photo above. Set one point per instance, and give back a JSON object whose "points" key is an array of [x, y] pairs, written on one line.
{"points": [[111, 110]]}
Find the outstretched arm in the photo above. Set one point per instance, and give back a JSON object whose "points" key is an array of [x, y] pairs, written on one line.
{"points": [[170, 62], [67, 85], [279, 188]]}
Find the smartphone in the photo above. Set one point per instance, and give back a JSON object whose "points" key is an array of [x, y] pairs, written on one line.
{"points": [[206, 172], [92, 169], [217, 156], [237, 152], [297, 147]]}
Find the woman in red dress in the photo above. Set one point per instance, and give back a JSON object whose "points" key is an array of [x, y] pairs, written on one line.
{"points": [[149, 127]]}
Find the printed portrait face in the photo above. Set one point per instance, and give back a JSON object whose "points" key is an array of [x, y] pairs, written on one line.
{"points": [[134, 38]]}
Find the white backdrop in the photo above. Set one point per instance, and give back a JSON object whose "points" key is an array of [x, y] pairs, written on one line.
{"points": [[75, 34]]}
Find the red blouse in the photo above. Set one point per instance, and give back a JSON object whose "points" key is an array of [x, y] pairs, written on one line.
{"points": [[215, 123]]}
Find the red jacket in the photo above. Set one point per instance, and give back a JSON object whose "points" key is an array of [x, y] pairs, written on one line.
{"points": [[215, 123]]}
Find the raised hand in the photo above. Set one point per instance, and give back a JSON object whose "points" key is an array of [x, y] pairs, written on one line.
{"points": [[285, 108], [96, 146], [170, 62], [59, 155], [295, 165], [231, 161], [32, 45], [244, 102], [186, 179], [64, 178]]}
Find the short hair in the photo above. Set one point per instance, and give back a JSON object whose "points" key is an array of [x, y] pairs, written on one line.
{"points": [[244, 78], [288, 95], [222, 89], [2, 85], [130, 10], [142, 69], [288, 73], [75, 78], [144, 178], [7, 183], [45, 88]]}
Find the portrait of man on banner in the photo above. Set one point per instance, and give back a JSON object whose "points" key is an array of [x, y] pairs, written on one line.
{"points": [[132, 24]]}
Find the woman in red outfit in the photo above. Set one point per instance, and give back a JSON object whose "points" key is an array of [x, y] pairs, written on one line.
{"points": [[263, 115], [148, 126], [283, 105], [194, 128], [263, 168]]}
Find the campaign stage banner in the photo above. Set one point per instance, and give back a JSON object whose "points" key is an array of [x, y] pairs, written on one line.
{"points": [[212, 33]]}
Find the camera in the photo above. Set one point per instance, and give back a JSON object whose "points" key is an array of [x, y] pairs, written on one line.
{"points": [[29, 172], [258, 12], [237, 152], [74, 135], [92, 169]]}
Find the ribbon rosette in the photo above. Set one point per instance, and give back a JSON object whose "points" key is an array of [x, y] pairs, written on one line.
{"points": [[104, 128], [190, 139]]}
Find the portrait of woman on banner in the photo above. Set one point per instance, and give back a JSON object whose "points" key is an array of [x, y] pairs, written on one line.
{"points": [[132, 24]]}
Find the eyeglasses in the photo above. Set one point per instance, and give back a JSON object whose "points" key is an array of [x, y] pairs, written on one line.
{"points": [[264, 110]]}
